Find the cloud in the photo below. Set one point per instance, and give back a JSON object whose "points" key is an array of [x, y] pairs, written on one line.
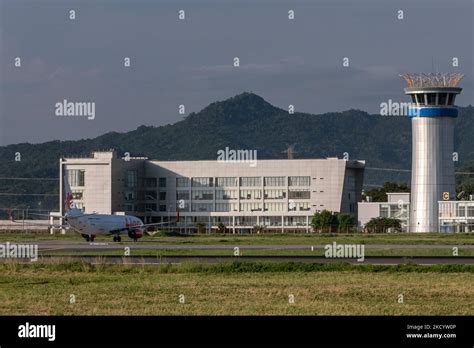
{"points": [[286, 65]]}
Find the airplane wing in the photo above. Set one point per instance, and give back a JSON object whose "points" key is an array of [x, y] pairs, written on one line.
{"points": [[26, 223], [159, 223], [59, 216]]}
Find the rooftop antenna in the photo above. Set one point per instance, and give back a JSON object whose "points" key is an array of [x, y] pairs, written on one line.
{"points": [[290, 151]]}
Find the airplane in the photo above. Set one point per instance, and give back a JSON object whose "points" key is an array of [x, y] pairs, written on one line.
{"points": [[92, 224]]}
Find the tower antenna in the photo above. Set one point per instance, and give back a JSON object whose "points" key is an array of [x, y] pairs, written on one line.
{"points": [[290, 151]]}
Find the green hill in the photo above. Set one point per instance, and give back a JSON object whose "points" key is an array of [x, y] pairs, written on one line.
{"points": [[245, 121]]}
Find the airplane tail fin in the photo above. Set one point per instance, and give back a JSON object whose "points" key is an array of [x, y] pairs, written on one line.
{"points": [[69, 204], [10, 215]]}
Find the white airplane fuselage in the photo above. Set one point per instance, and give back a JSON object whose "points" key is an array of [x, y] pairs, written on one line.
{"points": [[103, 224]]}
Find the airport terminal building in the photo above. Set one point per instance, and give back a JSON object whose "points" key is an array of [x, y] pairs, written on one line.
{"points": [[279, 195]]}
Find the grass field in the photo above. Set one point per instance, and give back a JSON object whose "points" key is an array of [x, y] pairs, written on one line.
{"points": [[305, 239], [236, 289]]}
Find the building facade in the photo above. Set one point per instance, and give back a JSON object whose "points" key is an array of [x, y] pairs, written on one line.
{"points": [[456, 216], [270, 194], [453, 216], [396, 207]]}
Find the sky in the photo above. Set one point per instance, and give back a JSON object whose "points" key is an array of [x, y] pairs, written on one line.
{"points": [[190, 62]]}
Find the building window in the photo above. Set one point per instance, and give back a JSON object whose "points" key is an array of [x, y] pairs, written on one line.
{"points": [[470, 210], [274, 181], [223, 207], [182, 195], [182, 182], [420, 98], [129, 196], [77, 194], [150, 207], [76, 177], [132, 178], [274, 194], [203, 195], [162, 182], [150, 195], [384, 211], [202, 207], [450, 98], [226, 220], [431, 98], [203, 182], [250, 194], [245, 220], [299, 206], [274, 207], [150, 182], [162, 207], [295, 220], [299, 194], [163, 196], [303, 206], [270, 220], [251, 207], [226, 182], [250, 181], [202, 219], [226, 194], [442, 98], [299, 181]]}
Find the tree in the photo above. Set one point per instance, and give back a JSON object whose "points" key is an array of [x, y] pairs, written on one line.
{"points": [[221, 228], [344, 221], [466, 186], [201, 228], [382, 224], [322, 220], [380, 194]]}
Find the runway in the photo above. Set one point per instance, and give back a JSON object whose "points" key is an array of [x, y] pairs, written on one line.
{"points": [[176, 259]]}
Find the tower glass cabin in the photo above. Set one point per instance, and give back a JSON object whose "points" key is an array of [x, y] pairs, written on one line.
{"points": [[432, 114]]}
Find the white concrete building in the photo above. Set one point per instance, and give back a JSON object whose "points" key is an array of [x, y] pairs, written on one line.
{"points": [[456, 216], [396, 207], [275, 194]]}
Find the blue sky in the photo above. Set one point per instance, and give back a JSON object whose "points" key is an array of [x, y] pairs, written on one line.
{"points": [[190, 62]]}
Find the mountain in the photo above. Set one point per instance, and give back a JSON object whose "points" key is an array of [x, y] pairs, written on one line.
{"points": [[245, 121]]}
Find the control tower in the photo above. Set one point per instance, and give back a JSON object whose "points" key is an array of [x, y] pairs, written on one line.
{"points": [[432, 114]]}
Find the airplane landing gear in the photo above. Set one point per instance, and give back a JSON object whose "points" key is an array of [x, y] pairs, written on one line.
{"points": [[117, 239]]}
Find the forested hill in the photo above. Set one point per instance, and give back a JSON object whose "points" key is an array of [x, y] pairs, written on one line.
{"points": [[245, 121]]}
